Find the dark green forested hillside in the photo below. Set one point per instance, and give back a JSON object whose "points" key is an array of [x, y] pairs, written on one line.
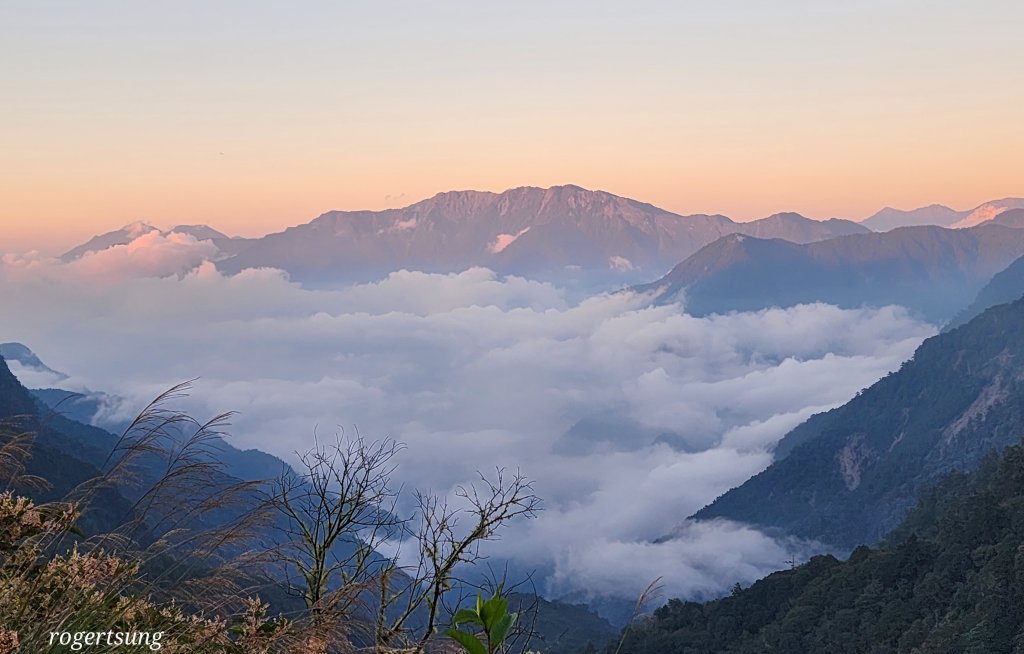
{"points": [[949, 579], [852, 474], [63, 460], [561, 627]]}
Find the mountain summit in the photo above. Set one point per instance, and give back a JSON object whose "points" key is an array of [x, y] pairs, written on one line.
{"points": [[522, 230], [988, 211], [129, 233]]}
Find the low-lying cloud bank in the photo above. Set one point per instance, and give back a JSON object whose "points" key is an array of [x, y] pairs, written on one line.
{"points": [[628, 417]]}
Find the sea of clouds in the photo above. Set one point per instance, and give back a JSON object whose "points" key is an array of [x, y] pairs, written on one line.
{"points": [[629, 417]]}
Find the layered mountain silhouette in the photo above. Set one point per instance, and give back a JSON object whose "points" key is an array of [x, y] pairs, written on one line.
{"points": [[988, 211], [793, 227], [595, 239], [849, 476], [523, 230], [1010, 218], [934, 214], [933, 270], [228, 245], [940, 215], [557, 231]]}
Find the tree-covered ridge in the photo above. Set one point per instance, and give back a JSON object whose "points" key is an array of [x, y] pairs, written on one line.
{"points": [[852, 475], [949, 579]]}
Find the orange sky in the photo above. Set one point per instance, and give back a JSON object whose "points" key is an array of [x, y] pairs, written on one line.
{"points": [[250, 117]]}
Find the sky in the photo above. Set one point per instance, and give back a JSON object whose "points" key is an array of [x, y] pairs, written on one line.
{"points": [[252, 116], [628, 417]]}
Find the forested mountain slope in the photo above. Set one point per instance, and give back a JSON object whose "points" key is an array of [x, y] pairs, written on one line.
{"points": [[852, 474], [949, 579]]}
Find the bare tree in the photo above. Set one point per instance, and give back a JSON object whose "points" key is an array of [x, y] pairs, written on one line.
{"points": [[443, 545], [341, 507], [337, 510]]}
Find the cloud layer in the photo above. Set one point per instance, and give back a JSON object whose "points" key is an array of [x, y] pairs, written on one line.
{"points": [[628, 417], [150, 254]]}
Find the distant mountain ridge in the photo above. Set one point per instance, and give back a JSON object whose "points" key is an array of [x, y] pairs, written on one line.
{"points": [[1009, 218], [795, 228], [940, 215], [933, 270], [934, 214], [557, 231], [988, 211], [562, 233], [522, 230], [124, 236]]}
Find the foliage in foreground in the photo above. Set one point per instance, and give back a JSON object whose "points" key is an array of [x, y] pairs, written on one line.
{"points": [[490, 622], [54, 578], [190, 557]]}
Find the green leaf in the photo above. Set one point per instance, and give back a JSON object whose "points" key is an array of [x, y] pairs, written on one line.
{"points": [[469, 642], [463, 616], [488, 612], [502, 627], [500, 606]]}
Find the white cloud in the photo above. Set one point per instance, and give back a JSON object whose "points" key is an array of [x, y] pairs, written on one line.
{"points": [[474, 371], [400, 226], [703, 558], [150, 254], [620, 264], [35, 377]]}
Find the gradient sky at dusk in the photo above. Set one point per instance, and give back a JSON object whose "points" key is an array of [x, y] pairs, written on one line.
{"points": [[251, 116]]}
